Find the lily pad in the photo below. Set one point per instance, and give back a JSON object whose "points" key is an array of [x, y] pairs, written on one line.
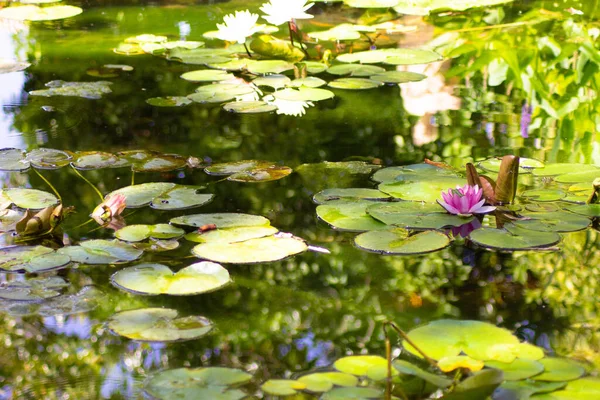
{"points": [[163, 196], [579, 177], [328, 195], [478, 340], [543, 195], [207, 75], [349, 216], [518, 369], [588, 210], [580, 389], [325, 381], [391, 57], [373, 367], [137, 233], [513, 238], [260, 250], [169, 101], [397, 77], [354, 84], [158, 325], [282, 387], [9, 219], [425, 7], [275, 81], [413, 172], [304, 94], [269, 67], [13, 160], [155, 279], [559, 370], [86, 90], [407, 368], [197, 383], [355, 70], [231, 235], [560, 168], [337, 33], [220, 220], [397, 242], [101, 251], [249, 107], [310, 81], [32, 199], [31, 259], [352, 393], [553, 222], [526, 165], [89, 160], [35, 289], [152, 161], [249, 171], [415, 215], [314, 67], [35, 13], [220, 92], [525, 389], [422, 189], [43, 158]]}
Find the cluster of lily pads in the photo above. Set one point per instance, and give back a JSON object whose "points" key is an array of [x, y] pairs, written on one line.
{"points": [[448, 359], [401, 216]]}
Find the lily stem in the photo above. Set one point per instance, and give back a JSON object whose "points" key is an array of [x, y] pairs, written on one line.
{"points": [[89, 183], [247, 51], [388, 356], [290, 29], [49, 184], [404, 336]]}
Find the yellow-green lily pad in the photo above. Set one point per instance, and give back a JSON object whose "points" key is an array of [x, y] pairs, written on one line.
{"points": [[518, 369], [31, 259], [354, 84], [397, 241], [35, 13], [349, 215], [101, 251], [231, 235], [35, 289], [282, 387], [32, 199], [137, 233], [220, 220], [325, 381]]}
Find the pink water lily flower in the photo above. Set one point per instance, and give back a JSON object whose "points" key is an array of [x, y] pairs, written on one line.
{"points": [[111, 207], [465, 201]]}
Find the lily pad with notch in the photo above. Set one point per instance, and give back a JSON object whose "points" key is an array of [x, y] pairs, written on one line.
{"points": [[560, 168], [138, 233], [525, 389], [354, 84], [207, 75], [249, 171], [163, 196], [275, 81], [31, 199], [347, 215], [152, 161], [197, 383], [304, 94], [396, 77], [559, 370], [158, 325], [249, 107], [325, 381], [526, 165], [220, 220], [543, 195], [421, 188], [588, 210], [34, 13], [413, 172], [91, 160], [513, 238], [310, 81], [398, 242], [31, 259], [415, 215], [220, 92], [265, 67], [87, 299], [231, 235], [327, 195], [155, 279], [355, 70], [101, 251], [35, 289], [579, 177], [560, 221], [518, 369]]}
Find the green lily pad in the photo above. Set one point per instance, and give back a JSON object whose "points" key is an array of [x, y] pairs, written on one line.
{"points": [[560, 168], [143, 194], [86, 90], [559, 370], [169, 101], [304, 94], [478, 340], [199, 56], [579, 177], [282, 387], [513, 238], [275, 81], [89, 160], [414, 172], [249, 107], [426, 7], [220, 92], [415, 215], [259, 250], [480, 385], [328, 195], [354, 84], [231, 235], [35, 289], [349, 216], [541, 207], [155, 279], [526, 165], [337, 33], [152, 161], [366, 365], [352, 393], [398, 77], [249, 171], [31, 199], [314, 67], [7, 66], [158, 325], [310, 81], [31, 259], [269, 67], [13, 160], [157, 245], [355, 70], [137, 233], [35, 13], [391, 57], [108, 70], [553, 222], [325, 381], [207, 75], [525, 389], [587, 388], [396, 241], [588, 210], [518, 369], [197, 383], [9, 219], [48, 158], [407, 368], [423, 189], [100, 251], [163, 196], [220, 220], [543, 194]]}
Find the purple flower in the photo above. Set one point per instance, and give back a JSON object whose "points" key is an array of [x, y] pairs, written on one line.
{"points": [[465, 201]]}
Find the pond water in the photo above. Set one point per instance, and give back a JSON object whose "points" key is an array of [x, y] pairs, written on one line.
{"points": [[518, 78]]}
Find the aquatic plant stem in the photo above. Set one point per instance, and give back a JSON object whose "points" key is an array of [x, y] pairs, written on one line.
{"points": [[404, 336], [49, 184], [388, 357], [290, 29], [132, 177], [88, 182], [247, 50]]}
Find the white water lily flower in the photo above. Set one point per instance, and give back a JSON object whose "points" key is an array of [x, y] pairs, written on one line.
{"points": [[295, 108], [281, 11], [238, 27]]}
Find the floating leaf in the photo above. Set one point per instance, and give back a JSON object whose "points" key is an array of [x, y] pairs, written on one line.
{"points": [[359, 365], [397, 77], [353, 84], [559, 369], [325, 381], [543, 194], [355, 70], [231, 235], [525, 389], [32, 199], [272, 47], [8, 65], [579, 177], [422, 189], [89, 160], [349, 194], [249, 171], [169, 101], [220, 92], [581, 389], [163, 196], [407, 368], [395, 241], [478, 340], [207, 75], [275, 81], [560, 168], [197, 383], [415, 215], [477, 386], [13, 160], [249, 107], [588, 210], [414, 172], [349, 215], [260, 250], [513, 238], [158, 325], [282, 387], [220, 220], [100, 251], [337, 33], [518, 369], [154, 279], [526, 165], [552, 222], [9, 219], [311, 81], [137, 233], [304, 94], [35, 13], [391, 57], [35, 289], [371, 3], [87, 90], [31, 259], [152, 161], [269, 67], [314, 67]]}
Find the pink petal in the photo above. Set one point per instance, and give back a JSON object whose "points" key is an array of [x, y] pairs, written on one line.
{"points": [[464, 205], [448, 207], [485, 209], [476, 206]]}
